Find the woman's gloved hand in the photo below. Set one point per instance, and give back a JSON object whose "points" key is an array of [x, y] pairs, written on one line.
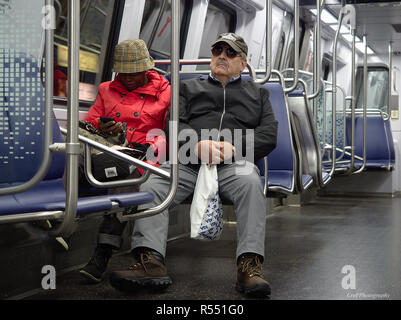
{"points": [[111, 127]]}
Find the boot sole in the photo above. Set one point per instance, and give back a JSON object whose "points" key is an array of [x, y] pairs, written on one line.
{"points": [[91, 277], [261, 290], [132, 285]]}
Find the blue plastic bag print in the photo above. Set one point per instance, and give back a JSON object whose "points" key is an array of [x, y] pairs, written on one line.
{"points": [[206, 208]]}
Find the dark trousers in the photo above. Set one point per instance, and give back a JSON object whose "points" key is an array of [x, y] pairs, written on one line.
{"points": [[111, 229]]}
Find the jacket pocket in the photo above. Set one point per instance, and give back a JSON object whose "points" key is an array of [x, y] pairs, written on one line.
{"points": [[155, 112]]}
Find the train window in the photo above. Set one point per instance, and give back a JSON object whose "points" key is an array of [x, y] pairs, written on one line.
{"points": [[218, 20], [156, 26], [95, 24], [377, 88]]}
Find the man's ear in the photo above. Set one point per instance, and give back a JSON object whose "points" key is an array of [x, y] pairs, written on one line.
{"points": [[244, 64]]}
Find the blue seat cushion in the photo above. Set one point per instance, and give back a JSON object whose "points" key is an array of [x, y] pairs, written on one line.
{"points": [[325, 176], [306, 180], [281, 178], [296, 93], [49, 195]]}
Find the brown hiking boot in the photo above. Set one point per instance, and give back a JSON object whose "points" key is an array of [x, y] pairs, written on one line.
{"points": [[146, 272], [249, 278]]}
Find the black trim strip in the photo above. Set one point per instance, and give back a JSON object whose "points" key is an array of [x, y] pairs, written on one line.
{"points": [[113, 39]]}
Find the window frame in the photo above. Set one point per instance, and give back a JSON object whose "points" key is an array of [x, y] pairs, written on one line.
{"points": [[186, 16], [113, 26]]}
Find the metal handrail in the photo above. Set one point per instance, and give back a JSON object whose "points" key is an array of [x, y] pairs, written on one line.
{"points": [[311, 96], [183, 61], [96, 183], [72, 144], [344, 118], [371, 111], [175, 81], [318, 160], [297, 161], [268, 46], [317, 51], [353, 75], [296, 47], [48, 121], [281, 80], [334, 81], [89, 142], [365, 102], [390, 74]]}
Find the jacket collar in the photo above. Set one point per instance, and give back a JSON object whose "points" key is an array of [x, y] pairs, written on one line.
{"points": [[153, 88], [228, 81]]}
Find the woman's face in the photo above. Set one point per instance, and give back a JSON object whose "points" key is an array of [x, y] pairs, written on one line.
{"points": [[131, 81]]}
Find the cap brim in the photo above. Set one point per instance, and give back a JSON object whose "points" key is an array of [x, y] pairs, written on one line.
{"points": [[121, 67], [230, 43]]}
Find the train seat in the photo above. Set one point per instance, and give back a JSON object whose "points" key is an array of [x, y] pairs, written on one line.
{"points": [[282, 165], [387, 127], [21, 123], [49, 194], [379, 142], [308, 145]]}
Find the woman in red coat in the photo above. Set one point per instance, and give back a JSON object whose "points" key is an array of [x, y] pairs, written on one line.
{"points": [[140, 98]]}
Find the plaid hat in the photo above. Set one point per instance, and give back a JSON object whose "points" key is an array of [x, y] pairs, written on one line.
{"points": [[132, 56], [234, 41]]}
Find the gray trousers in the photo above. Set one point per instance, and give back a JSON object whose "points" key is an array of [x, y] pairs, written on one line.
{"points": [[238, 182]]}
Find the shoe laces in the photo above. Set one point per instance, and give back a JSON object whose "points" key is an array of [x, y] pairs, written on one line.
{"points": [[251, 265], [144, 257]]}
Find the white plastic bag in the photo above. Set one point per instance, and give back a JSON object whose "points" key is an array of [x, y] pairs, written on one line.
{"points": [[206, 209]]}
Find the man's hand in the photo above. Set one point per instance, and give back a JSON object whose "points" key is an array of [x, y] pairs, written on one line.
{"points": [[112, 128], [227, 150], [214, 152]]}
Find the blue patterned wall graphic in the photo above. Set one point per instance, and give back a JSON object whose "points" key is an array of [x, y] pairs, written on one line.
{"points": [[21, 91]]}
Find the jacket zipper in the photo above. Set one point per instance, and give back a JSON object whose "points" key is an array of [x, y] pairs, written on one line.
{"points": [[224, 111]]}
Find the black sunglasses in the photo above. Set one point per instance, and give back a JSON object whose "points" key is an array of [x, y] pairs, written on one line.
{"points": [[230, 52]]}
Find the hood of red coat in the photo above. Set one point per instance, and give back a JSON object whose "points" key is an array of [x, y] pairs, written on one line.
{"points": [[156, 85]]}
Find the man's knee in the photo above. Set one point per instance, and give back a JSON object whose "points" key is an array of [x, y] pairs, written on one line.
{"points": [[250, 182]]}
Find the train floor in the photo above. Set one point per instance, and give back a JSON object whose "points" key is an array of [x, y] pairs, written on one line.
{"points": [[332, 248]]}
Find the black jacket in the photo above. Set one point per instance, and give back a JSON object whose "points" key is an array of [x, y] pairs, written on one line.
{"points": [[207, 104]]}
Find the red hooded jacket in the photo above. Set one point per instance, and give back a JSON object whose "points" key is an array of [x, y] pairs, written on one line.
{"points": [[142, 109]]}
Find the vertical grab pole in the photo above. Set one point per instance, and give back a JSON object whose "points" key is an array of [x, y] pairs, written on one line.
{"points": [[316, 54], [296, 47], [390, 72], [175, 82], [268, 46], [351, 168], [334, 93], [365, 102], [175, 91], [72, 144]]}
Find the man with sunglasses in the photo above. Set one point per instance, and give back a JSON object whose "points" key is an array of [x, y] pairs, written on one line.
{"points": [[221, 103]]}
